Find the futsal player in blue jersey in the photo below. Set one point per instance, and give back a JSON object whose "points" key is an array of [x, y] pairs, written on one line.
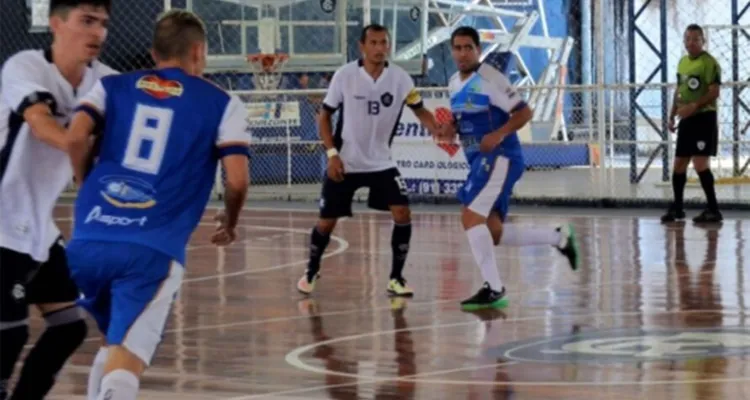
{"points": [[487, 112], [164, 131]]}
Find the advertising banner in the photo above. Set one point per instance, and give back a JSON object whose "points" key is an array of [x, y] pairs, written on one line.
{"points": [[426, 166]]}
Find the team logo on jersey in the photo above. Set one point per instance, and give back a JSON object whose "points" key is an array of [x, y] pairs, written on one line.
{"points": [[631, 345], [127, 192], [693, 82], [386, 99], [159, 88], [97, 215]]}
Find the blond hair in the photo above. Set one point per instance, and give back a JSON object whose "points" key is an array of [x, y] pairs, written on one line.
{"points": [[175, 32]]}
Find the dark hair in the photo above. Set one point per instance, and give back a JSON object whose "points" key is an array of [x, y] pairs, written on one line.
{"points": [[371, 27], [62, 7], [466, 31], [177, 30], [694, 28]]}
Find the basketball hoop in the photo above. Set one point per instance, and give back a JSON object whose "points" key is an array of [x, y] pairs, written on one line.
{"points": [[266, 69]]}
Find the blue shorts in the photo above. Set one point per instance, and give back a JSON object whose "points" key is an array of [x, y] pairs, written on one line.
{"points": [[128, 289], [490, 184]]}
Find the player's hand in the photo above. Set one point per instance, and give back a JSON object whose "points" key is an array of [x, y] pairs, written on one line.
{"points": [[335, 169], [489, 142], [224, 235], [446, 133], [672, 126], [687, 110]]}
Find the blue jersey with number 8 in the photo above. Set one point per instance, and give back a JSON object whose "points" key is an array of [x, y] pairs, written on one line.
{"points": [[164, 132]]}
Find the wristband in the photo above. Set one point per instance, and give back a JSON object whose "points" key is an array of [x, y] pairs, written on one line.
{"points": [[332, 152]]}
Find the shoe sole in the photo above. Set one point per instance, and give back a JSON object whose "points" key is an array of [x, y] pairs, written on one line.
{"points": [[500, 303], [394, 293]]}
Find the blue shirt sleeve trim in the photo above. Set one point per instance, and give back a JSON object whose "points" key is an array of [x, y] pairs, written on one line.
{"points": [[518, 106], [234, 149], [93, 113]]}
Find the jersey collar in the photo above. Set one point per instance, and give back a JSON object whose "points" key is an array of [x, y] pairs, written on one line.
{"points": [[361, 63], [48, 56]]}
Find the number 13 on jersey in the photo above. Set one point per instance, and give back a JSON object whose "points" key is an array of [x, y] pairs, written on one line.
{"points": [[147, 139]]}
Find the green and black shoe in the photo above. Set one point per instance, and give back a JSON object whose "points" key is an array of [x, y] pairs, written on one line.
{"points": [[485, 298]]}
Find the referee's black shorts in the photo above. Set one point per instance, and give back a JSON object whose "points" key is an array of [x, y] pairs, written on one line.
{"points": [[24, 281], [386, 189], [698, 135]]}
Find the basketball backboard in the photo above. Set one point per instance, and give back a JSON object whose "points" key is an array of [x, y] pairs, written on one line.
{"points": [[318, 35]]}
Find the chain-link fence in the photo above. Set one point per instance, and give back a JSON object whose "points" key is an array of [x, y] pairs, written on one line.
{"points": [[599, 130], [616, 160]]}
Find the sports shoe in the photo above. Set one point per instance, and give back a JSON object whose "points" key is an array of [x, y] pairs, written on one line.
{"points": [[305, 285], [708, 217], [485, 298], [398, 287], [673, 215], [568, 245]]}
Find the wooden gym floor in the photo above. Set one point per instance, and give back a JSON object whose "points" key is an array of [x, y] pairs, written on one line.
{"points": [[655, 312]]}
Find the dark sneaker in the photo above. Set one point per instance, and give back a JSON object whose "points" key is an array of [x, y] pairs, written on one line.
{"points": [[569, 245], [708, 217], [673, 215], [485, 298]]}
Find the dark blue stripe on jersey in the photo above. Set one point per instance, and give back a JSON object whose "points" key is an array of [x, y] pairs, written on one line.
{"points": [[329, 108], [518, 107], [93, 113], [338, 138], [15, 122], [235, 149], [416, 106]]}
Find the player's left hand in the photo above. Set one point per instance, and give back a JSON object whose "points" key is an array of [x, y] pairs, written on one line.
{"points": [[224, 235], [687, 110], [489, 142]]}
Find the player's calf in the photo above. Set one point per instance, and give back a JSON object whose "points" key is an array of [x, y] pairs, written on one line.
{"points": [[13, 336], [64, 333], [400, 242]]}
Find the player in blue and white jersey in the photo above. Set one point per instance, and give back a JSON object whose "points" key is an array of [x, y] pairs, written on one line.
{"points": [[487, 112], [164, 131]]}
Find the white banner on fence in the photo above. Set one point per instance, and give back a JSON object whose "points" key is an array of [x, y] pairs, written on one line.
{"points": [[427, 167], [273, 114]]}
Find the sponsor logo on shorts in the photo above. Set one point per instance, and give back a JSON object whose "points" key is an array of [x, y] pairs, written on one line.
{"points": [[629, 346], [96, 215]]}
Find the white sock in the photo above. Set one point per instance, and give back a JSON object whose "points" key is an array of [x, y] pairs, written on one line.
{"points": [[119, 384], [515, 235], [480, 240], [96, 373]]}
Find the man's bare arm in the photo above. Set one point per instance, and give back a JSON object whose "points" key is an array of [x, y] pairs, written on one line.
{"points": [[44, 126], [78, 144], [237, 183], [325, 127]]}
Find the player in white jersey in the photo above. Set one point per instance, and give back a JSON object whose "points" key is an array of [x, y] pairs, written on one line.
{"points": [[369, 96], [38, 91]]}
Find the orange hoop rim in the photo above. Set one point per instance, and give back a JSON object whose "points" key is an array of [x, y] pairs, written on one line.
{"points": [[269, 62]]}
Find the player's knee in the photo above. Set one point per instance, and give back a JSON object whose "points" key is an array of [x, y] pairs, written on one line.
{"points": [[700, 164], [119, 357], [470, 218], [69, 327], [681, 164], [401, 214], [326, 226]]}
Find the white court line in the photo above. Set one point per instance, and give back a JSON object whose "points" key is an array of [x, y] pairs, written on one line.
{"points": [[343, 245], [405, 378], [293, 358]]}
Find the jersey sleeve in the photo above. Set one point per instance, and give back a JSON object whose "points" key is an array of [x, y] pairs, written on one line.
{"points": [[501, 92], [23, 85], [94, 103], [233, 135], [413, 97], [712, 72], [335, 94]]}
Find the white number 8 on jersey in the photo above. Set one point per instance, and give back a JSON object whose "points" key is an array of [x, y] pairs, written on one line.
{"points": [[150, 125]]}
